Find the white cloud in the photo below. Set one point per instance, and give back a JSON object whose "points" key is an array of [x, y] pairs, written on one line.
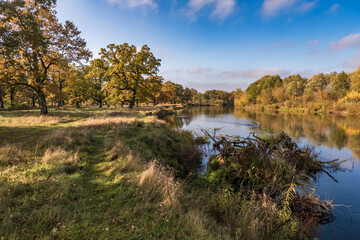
{"points": [[354, 62], [223, 8], [226, 86], [194, 70], [272, 8], [256, 73], [313, 43], [352, 40], [142, 4], [282, 44], [334, 8], [306, 6]]}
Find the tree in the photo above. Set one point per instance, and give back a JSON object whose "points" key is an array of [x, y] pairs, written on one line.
{"points": [[98, 78], [129, 69], [188, 95], [355, 80], [32, 41], [2, 95], [265, 97], [340, 84], [294, 85], [279, 94], [242, 98], [153, 90], [171, 92], [317, 82], [78, 85], [264, 83]]}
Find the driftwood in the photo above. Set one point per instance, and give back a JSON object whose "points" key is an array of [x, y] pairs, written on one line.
{"points": [[271, 166]]}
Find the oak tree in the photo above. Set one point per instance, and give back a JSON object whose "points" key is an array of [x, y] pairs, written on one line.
{"points": [[32, 41], [129, 70]]}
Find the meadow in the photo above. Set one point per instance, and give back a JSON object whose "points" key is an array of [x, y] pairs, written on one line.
{"points": [[114, 173]]}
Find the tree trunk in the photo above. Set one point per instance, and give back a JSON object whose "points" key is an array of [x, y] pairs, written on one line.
{"points": [[33, 99], [1, 99], [100, 104], [60, 101], [133, 98], [12, 96], [154, 101], [77, 101], [42, 103]]}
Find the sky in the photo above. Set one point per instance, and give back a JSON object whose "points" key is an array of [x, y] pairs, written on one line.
{"points": [[226, 44]]}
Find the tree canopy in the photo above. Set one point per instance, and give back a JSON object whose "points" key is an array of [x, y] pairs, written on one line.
{"points": [[130, 71], [32, 41]]}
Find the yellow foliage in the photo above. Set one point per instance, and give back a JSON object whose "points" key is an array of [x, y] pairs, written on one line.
{"points": [[351, 96]]}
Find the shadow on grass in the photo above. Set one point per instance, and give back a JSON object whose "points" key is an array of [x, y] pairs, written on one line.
{"points": [[49, 201]]}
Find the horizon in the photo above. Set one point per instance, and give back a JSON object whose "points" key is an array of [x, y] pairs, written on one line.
{"points": [[226, 44]]}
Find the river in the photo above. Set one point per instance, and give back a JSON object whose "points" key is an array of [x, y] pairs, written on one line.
{"points": [[333, 137]]}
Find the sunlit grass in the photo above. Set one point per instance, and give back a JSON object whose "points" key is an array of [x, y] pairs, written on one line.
{"points": [[115, 175]]}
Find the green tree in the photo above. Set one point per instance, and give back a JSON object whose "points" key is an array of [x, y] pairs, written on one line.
{"points": [[98, 78], [355, 80], [188, 95], [128, 69], [265, 83], [78, 85], [317, 83], [340, 84], [32, 40], [153, 90], [294, 85], [171, 92]]}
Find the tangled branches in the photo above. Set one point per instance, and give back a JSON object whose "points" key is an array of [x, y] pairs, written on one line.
{"points": [[272, 166]]}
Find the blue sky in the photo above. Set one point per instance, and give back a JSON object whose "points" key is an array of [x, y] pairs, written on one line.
{"points": [[226, 44]]}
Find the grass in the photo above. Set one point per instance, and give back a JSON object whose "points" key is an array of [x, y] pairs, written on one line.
{"points": [[85, 178], [118, 174]]}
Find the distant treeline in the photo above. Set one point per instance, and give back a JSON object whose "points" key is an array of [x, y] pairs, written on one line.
{"points": [[333, 92]]}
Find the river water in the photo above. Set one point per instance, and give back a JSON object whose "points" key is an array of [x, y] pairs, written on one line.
{"points": [[334, 137]]}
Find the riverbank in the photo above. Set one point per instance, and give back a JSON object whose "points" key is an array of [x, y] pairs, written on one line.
{"points": [[346, 109], [115, 173]]}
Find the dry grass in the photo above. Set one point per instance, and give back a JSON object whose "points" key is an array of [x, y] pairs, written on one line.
{"points": [[68, 138], [158, 183], [25, 121], [103, 121], [13, 155], [65, 162], [58, 155]]}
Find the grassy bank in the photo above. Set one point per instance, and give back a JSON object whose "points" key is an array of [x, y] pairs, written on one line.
{"points": [[348, 110], [348, 105], [119, 174]]}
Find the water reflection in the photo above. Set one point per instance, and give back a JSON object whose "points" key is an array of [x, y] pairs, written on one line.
{"points": [[333, 136], [319, 130]]}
